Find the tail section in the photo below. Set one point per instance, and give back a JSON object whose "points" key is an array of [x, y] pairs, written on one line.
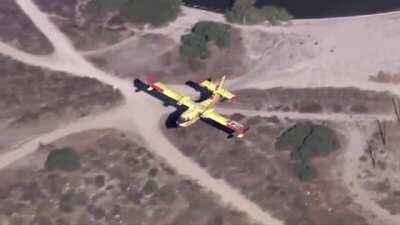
{"points": [[215, 98], [218, 88]]}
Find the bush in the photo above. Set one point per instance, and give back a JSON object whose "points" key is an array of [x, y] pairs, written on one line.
{"points": [[167, 193], [305, 172], [150, 187], [63, 159], [244, 12], [155, 12], [307, 140], [358, 108], [102, 7], [212, 31], [275, 14], [310, 107], [194, 45]]}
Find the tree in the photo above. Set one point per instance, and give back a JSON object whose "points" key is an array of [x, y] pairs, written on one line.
{"points": [[155, 12], [275, 14], [63, 159], [244, 12], [194, 46], [212, 31], [306, 172], [102, 7]]}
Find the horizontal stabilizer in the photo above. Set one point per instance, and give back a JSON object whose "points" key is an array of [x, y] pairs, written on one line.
{"points": [[221, 91]]}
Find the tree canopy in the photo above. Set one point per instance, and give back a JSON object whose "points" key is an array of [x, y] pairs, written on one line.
{"points": [[195, 44], [63, 159], [244, 12], [307, 140], [155, 12]]}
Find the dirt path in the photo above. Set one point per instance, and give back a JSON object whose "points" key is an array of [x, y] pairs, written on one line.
{"points": [[137, 115]]}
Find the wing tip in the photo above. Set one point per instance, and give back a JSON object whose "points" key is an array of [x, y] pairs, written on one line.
{"points": [[238, 128], [151, 82]]}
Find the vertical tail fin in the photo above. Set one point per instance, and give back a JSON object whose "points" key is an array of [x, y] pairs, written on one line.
{"points": [[216, 96]]}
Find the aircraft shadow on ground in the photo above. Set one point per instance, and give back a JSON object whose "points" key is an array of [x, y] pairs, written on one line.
{"points": [[171, 121]]}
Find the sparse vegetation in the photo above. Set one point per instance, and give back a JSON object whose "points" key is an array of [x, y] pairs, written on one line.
{"points": [[385, 77], [18, 30], [265, 175], [95, 194], [195, 44], [314, 100], [244, 12]]}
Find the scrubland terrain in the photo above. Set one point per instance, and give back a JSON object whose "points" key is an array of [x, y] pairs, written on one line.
{"points": [[269, 176], [17, 30], [317, 100], [378, 169], [159, 55], [35, 100], [87, 29], [118, 181]]}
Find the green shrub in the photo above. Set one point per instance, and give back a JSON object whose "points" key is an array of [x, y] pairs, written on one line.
{"points": [[102, 7], [275, 14], [63, 159], [244, 12], [150, 187], [307, 140], [306, 172], [167, 193], [155, 12], [193, 46], [212, 31]]}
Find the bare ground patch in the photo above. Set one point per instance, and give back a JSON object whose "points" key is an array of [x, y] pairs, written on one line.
{"points": [[119, 182], [159, 55], [271, 51], [34, 100], [315, 100], [17, 29], [267, 176]]}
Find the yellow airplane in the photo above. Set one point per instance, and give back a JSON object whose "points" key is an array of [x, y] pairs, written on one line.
{"points": [[204, 109]]}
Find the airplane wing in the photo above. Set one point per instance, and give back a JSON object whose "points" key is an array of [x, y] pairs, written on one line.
{"points": [[237, 127], [212, 87], [165, 90]]}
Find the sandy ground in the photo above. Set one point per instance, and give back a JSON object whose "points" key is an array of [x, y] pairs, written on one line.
{"points": [[361, 47]]}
